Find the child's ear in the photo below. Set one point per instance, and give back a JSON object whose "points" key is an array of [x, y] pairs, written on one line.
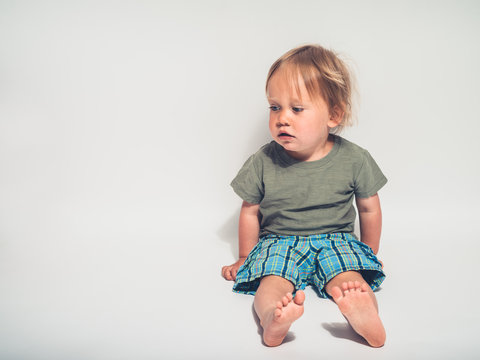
{"points": [[336, 116]]}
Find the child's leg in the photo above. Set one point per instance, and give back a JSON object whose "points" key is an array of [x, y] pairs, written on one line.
{"points": [[276, 308], [358, 304]]}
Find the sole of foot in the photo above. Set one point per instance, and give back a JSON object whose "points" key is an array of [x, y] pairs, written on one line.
{"points": [[286, 312], [356, 304]]}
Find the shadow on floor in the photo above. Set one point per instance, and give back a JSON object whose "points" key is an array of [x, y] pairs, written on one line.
{"points": [[228, 232], [344, 331]]}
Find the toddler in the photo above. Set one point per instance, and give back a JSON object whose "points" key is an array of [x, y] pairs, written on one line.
{"points": [[297, 217]]}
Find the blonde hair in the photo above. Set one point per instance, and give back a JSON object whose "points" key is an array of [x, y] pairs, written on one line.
{"points": [[324, 74]]}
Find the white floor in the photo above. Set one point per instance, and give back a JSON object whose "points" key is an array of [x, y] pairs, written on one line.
{"points": [[122, 299]]}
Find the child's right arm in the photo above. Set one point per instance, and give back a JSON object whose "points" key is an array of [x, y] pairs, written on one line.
{"points": [[248, 230]]}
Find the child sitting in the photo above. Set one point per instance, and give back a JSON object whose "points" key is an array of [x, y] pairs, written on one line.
{"points": [[297, 217]]}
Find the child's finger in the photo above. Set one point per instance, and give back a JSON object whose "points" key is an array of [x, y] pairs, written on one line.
{"points": [[228, 273], [225, 272]]}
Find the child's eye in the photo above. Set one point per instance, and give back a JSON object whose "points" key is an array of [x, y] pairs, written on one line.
{"points": [[274, 107], [297, 109]]}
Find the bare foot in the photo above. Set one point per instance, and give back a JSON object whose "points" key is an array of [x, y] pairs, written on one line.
{"points": [[275, 328], [357, 305]]}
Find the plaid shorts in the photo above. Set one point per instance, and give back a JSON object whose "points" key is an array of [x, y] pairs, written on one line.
{"points": [[308, 260]]}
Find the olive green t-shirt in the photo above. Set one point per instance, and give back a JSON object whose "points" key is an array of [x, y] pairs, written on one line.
{"points": [[308, 198]]}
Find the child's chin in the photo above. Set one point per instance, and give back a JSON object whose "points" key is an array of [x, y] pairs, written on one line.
{"points": [[287, 146]]}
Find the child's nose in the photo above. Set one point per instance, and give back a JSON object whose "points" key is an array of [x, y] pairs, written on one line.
{"points": [[283, 119]]}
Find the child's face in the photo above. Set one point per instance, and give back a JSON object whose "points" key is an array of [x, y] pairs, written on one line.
{"points": [[298, 123]]}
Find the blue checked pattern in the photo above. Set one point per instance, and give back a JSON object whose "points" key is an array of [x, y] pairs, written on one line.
{"points": [[308, 260]]}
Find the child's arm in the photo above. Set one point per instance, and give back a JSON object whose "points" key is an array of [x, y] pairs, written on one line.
{"points": [[248, 229], [370, 221]]}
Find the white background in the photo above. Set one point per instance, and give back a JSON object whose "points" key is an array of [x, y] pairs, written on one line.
{"points": [[122, 124]]}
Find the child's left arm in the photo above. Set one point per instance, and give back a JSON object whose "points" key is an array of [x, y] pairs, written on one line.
{"points": [[370, 215]]}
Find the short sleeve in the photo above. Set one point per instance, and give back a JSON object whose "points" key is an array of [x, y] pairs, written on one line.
{"points": [[248, 184], [370, 178]]}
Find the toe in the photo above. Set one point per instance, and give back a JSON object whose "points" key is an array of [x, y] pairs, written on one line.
{"points": [[277, 313], [336, 293], [299, 297], [364, 287]]}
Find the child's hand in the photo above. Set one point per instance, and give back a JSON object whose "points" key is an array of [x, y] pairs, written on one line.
{"points": [[230, 272]]}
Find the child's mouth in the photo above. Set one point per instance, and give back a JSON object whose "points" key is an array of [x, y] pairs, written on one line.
{"points": [[285, 135]]}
